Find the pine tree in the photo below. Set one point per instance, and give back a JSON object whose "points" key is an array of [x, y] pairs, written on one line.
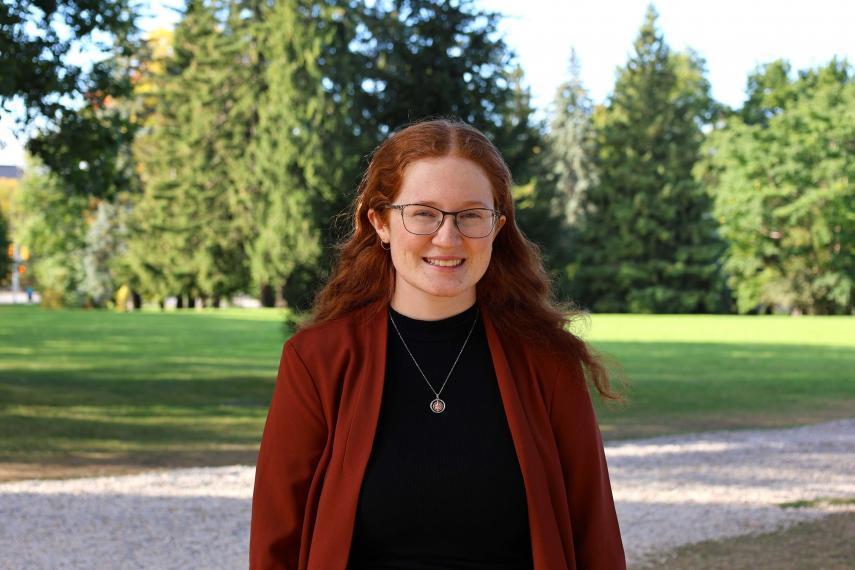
{"points": [[103, 245], [571, 144], [305, 158], [648, 242], [185, 239], [434, 58], [341, 75]]}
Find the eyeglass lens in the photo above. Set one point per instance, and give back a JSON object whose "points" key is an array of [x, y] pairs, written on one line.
{"points": [[477, 222]]}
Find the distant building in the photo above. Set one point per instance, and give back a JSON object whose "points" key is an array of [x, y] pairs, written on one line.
{"points": [[8, 171]]}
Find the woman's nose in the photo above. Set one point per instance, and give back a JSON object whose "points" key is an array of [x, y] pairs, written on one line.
{"points": [[447, 232]]}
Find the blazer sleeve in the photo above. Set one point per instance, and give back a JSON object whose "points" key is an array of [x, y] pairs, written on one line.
{"points": [[291, 445], [596, 533]]}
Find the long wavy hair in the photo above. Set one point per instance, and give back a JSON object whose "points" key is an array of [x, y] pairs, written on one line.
{"points": [[515, 288]]}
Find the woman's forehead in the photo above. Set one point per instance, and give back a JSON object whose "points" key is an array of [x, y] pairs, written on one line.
{"points": [[446, 180]]}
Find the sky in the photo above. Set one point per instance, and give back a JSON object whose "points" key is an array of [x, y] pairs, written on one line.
{"points": [[733, 36]]}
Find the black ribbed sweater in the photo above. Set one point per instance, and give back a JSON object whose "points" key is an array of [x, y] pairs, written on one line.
{"points": [[441, 490]]}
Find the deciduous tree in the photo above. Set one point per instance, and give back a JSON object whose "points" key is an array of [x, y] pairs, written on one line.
{"points": [[782, 171]]}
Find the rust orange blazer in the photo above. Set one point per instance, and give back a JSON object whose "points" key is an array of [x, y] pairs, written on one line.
{"points": [[320, 429]]}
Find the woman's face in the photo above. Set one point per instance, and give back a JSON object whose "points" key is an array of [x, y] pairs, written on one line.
{"points": [[424, 290]]}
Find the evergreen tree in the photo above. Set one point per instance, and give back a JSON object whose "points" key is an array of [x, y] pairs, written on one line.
{"points": [[305, 153], [340, 76], [571, 144], [647, 242], [434, 58], [568, 173], [782, 171], [103, 245], [184, 238]]}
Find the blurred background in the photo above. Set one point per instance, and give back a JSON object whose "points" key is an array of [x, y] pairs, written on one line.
{"points": [[174, 177], [200, 154]]}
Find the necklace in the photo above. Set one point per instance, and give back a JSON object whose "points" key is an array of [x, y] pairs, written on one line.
{"points": [[437, 405]]}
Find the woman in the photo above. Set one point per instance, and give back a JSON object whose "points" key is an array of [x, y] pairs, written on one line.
{"points": [[434, 413]]}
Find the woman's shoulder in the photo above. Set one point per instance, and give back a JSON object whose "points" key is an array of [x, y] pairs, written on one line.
{"points": [[322, 341]]}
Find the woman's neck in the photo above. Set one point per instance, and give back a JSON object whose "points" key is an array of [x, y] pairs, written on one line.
{"points": [[432, 309]]}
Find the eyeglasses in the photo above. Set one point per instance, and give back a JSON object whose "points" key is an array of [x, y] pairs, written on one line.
{"points": [[425, 220]]}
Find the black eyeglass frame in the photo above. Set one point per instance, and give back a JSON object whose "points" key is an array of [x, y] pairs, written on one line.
{"points": [[496, 215]]}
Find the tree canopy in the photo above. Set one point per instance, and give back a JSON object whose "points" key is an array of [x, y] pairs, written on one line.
{"points": [[782, 170], [647, 240]]}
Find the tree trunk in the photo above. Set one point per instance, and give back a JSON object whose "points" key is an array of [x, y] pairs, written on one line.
{"points": [[268, 296]]}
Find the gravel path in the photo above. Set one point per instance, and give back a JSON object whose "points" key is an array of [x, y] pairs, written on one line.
{"points": [[669, 491]]}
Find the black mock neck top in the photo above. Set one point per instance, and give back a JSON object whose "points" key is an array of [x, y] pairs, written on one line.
{"points": [[441, 491]]}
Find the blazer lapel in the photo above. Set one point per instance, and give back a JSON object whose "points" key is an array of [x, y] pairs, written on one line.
{"points": [[369, 392], [362, 396], [547, 547]]}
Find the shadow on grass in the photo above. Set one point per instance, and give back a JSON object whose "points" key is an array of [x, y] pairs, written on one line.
{"points": [[171, 397], [687, 387]]}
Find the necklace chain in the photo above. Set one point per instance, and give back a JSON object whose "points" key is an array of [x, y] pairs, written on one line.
{"points": [[441, 405]]}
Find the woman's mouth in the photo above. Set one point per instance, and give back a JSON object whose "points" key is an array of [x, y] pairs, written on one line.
{"points": [[444, 263]]}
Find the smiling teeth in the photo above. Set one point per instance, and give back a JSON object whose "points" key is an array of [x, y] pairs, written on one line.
{"points": [[443, 263]]}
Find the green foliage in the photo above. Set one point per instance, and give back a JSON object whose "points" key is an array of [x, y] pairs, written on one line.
{"points": [[647, 242], [53, 224], [183, 235], [301, 150], [88, 150], [340, 77], [572, 144], [782, 171], [36, 38], [566, 177], [104, 243], [38, 42], [429, 57]]}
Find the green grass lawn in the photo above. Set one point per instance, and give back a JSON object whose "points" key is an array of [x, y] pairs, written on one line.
{"points": [[178, 388], [693, 373], [149, 388]]}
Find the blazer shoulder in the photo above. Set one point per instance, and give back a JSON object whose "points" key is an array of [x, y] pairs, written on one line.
{"points": [[561, 370], [322, 344]]}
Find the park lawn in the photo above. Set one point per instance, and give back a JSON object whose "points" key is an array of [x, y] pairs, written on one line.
{"points": [[96, 391], [689, 373], [109, 391]]}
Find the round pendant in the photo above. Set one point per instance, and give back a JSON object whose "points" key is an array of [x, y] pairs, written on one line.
{"points": [[437, 406]]}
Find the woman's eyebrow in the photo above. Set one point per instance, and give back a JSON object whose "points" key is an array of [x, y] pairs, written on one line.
{"points": [[436, 204]]}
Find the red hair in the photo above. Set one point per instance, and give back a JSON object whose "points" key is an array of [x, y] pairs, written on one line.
{"points": [[515, 288]]}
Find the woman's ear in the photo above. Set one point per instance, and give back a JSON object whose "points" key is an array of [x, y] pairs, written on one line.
{"points": [[500, 223], [376, 219]]}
